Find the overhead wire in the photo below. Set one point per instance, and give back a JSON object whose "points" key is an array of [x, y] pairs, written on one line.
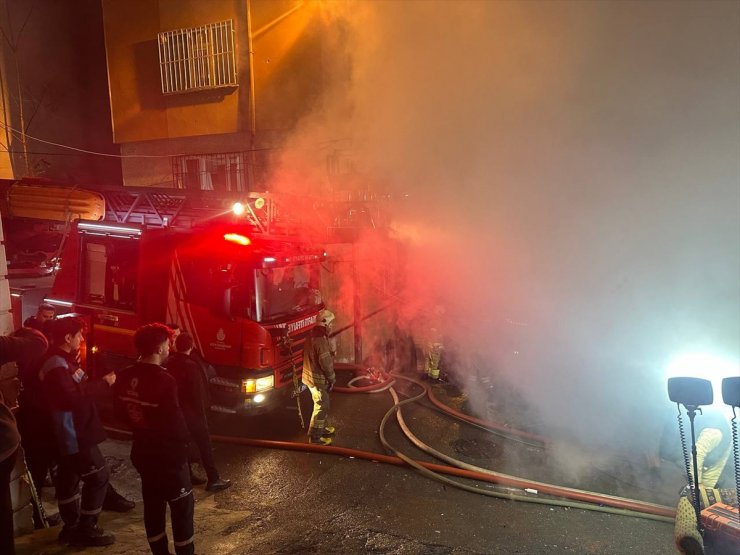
{"points": [[19, 134]]}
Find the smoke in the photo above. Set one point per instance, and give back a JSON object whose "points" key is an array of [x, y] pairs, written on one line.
{"points": [[567, 186]]}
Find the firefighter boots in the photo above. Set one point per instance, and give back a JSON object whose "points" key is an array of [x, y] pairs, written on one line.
{"points": [[65, 535], [218, 485], [323, 440], [116, 502], [90, 536]]}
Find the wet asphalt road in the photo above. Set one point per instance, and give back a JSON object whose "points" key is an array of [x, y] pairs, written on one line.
{"points": [[309, 503], [290, 502]]}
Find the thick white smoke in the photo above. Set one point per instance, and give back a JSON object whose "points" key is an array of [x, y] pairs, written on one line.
{"points": [[573, 184]]}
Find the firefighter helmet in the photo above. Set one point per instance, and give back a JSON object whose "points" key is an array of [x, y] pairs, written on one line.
{"points": [[326, 317]]}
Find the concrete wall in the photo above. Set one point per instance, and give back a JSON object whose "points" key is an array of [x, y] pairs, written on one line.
{"points": [[19, 491], [140, 111], [287, 48]]}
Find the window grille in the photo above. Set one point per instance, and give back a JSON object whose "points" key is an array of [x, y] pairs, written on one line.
{"points": [[198, 58], [211, 172]]}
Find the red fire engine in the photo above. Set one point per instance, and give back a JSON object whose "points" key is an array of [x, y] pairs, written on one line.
{"points": [[248, 297]]}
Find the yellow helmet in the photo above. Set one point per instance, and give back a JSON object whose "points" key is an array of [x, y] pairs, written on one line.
{"points": [[326, 317]]}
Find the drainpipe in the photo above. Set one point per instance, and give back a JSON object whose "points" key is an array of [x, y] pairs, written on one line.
{"points": [[252, 101]]}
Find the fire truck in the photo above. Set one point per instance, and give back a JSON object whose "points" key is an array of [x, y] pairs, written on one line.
{"points": [[248, 295]]}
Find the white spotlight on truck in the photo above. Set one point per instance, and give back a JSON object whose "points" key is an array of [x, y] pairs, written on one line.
{"points": [[238, 208]]}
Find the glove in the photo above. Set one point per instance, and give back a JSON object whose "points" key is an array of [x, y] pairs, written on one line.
{"points": [[330, 386]]}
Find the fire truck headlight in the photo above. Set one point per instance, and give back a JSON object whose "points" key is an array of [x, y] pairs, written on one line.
{"points": [[252, 385], [237, 208], [259, 398]]}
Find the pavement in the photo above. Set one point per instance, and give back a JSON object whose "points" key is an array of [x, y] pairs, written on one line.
{"points": [[291, 502]]}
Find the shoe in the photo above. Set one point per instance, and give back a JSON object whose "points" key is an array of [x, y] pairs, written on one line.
{"points": [[90, 536], [116, 502], [329, 431], [65, 535], [51, 521], [218, 485], [320, 440]]}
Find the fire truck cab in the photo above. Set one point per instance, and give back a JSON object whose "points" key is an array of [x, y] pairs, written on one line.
{"points": [[248, 301]]}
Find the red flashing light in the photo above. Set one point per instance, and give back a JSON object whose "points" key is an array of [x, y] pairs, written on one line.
{"points": [[238, 239]]}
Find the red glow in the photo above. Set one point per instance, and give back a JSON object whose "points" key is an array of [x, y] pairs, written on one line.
{"points": [[236, 238]]}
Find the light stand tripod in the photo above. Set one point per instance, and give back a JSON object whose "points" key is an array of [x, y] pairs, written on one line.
{"points": [[692, 393], [731, 396]]}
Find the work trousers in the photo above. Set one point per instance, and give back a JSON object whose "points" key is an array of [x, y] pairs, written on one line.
{"points": [[88, 466], [168, 486], [39, 449], [320, 413], [202, 439], [7, 544]]}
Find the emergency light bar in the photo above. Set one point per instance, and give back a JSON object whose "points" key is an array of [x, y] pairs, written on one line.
{"points": [[58, 302], [237, 238]]}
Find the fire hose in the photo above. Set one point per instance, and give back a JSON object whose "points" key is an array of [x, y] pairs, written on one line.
{"points": [[580, 499], [616, 505]]}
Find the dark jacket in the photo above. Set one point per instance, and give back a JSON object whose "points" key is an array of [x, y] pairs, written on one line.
{"points": [[191, 389], [318, 360], [32, 396], [14, 348], [71, 397], [146, 397]]}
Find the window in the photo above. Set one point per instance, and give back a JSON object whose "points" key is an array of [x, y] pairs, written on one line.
{"points": [[286, 291], [198, 58], [211, 172], [109, 276]]}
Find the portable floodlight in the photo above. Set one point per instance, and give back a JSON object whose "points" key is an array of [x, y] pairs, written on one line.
{"points": [[731, 396], [691, 393]]}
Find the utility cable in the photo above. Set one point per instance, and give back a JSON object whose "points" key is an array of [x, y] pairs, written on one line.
{"points": [[107, 154]]}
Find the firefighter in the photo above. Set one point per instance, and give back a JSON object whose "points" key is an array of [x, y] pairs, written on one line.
{"points": [[319, 377], [432, 358], [34, 423], [147, 398], [192, 397], [78, 431], [12, 348], [432, 342], [713, 449], [44, 313]]}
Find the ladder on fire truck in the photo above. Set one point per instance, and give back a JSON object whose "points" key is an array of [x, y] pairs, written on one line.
{"points": [[181, 208], [274, 214], [343, 215]]}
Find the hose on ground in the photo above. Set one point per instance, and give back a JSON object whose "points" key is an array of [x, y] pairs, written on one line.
{"points": [[593, 499], [618, 505], [339, 451], [386, 380]]}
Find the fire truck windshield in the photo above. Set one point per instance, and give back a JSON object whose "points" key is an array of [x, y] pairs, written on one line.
{"points": [[286, 291]]}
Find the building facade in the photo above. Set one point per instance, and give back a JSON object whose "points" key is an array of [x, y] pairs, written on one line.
{"points": [[202, 93]]}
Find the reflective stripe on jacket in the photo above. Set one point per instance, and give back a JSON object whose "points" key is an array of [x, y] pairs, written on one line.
{"points": [[318, 361]]}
